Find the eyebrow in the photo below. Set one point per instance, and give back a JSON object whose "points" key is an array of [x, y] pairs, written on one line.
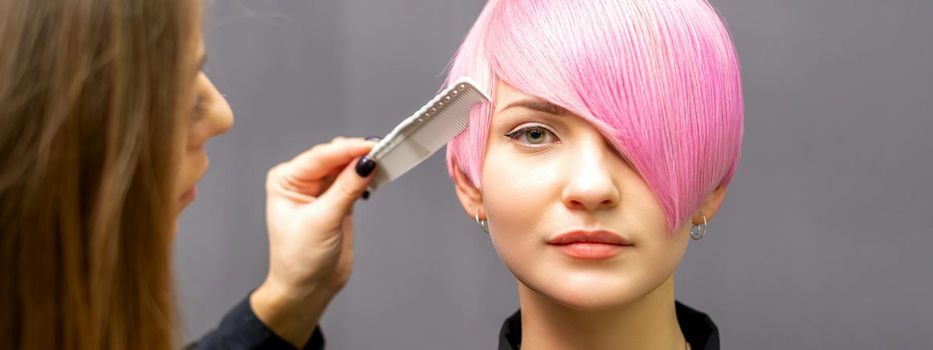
{"points": [[537, 105]]}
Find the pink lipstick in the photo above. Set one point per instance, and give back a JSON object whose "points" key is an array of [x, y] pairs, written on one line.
{"points": [[189, 195], [592, 245]]}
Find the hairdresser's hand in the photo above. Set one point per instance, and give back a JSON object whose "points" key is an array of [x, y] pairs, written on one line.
{"points": [[309, 206]]}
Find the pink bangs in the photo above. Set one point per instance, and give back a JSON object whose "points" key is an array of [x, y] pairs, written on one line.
{"points": [[660, 79]]}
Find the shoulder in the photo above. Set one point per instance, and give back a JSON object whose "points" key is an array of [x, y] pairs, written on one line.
{"points": [[699, 329]]}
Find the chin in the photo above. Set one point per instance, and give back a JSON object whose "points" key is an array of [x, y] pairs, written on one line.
{"points": [[587, 291]]}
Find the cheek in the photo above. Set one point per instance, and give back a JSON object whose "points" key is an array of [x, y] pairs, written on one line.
{"points": [[515, 201], [661, 255], [192, 164], [662, 250], [195, 135], [517, 195]]}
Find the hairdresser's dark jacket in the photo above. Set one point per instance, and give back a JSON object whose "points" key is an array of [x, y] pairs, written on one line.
{"points": [[241, 329]]}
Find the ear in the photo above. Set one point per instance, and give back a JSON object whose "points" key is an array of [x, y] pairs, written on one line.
{"points": [[470, 197], [710, 205]]}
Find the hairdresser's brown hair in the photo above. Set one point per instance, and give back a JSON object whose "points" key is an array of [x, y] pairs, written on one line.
{"points": [[90, 140]]}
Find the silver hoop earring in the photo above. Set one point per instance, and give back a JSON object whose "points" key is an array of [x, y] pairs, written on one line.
{"points": [[483, 224], [698, 231]]}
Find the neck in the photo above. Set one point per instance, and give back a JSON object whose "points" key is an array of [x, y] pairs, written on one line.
{"points": [[648, 323]]}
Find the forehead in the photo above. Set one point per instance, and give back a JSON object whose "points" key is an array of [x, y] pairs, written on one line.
{"points": [[506, 93]]}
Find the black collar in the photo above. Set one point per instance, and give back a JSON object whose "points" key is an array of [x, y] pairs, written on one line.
{"points": [[698, 328]]}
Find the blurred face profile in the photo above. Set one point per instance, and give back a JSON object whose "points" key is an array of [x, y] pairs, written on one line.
{"points": [[208, 115], [567, 214]]}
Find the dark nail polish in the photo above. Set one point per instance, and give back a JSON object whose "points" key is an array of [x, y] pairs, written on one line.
{"points": [[372, 138], [365, 195], [365, 166]]}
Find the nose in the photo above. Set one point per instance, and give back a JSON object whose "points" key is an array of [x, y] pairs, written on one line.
{"points": [[220, 115], [590, 183]]}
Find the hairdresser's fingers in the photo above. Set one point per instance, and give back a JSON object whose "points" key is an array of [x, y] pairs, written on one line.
{"points": [[347, 188], [309, 174], [327, 158]]}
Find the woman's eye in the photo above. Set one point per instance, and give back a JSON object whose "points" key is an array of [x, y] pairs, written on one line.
{"points": [[533, 135], [200, 107]]}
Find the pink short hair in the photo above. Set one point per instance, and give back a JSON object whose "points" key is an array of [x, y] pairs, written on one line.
{"points": [[659, 79]]}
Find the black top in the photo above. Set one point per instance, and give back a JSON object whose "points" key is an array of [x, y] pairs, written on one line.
{"points": [[698, 328], [241, 329]]}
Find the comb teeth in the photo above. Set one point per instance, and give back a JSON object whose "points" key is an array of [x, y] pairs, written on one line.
{"points": [[425, 132]]}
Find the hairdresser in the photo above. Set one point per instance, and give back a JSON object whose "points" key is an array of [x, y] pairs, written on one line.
{"points": [[104, 113]]}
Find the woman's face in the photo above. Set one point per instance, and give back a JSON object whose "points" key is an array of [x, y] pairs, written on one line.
{"points": [[209, 115], [568, 216]]}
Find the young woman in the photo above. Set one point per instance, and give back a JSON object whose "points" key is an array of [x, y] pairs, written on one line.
{"points": [[613, 134], [103, 118]]}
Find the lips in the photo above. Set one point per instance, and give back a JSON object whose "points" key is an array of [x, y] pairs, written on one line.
{"points": [[189, 195], [192, 192], [590, 244]]}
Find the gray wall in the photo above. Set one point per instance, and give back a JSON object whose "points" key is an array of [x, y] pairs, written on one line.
{"points": [[824, 242]]}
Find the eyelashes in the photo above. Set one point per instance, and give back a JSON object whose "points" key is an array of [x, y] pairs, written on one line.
{"points": [[533, 136]]}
